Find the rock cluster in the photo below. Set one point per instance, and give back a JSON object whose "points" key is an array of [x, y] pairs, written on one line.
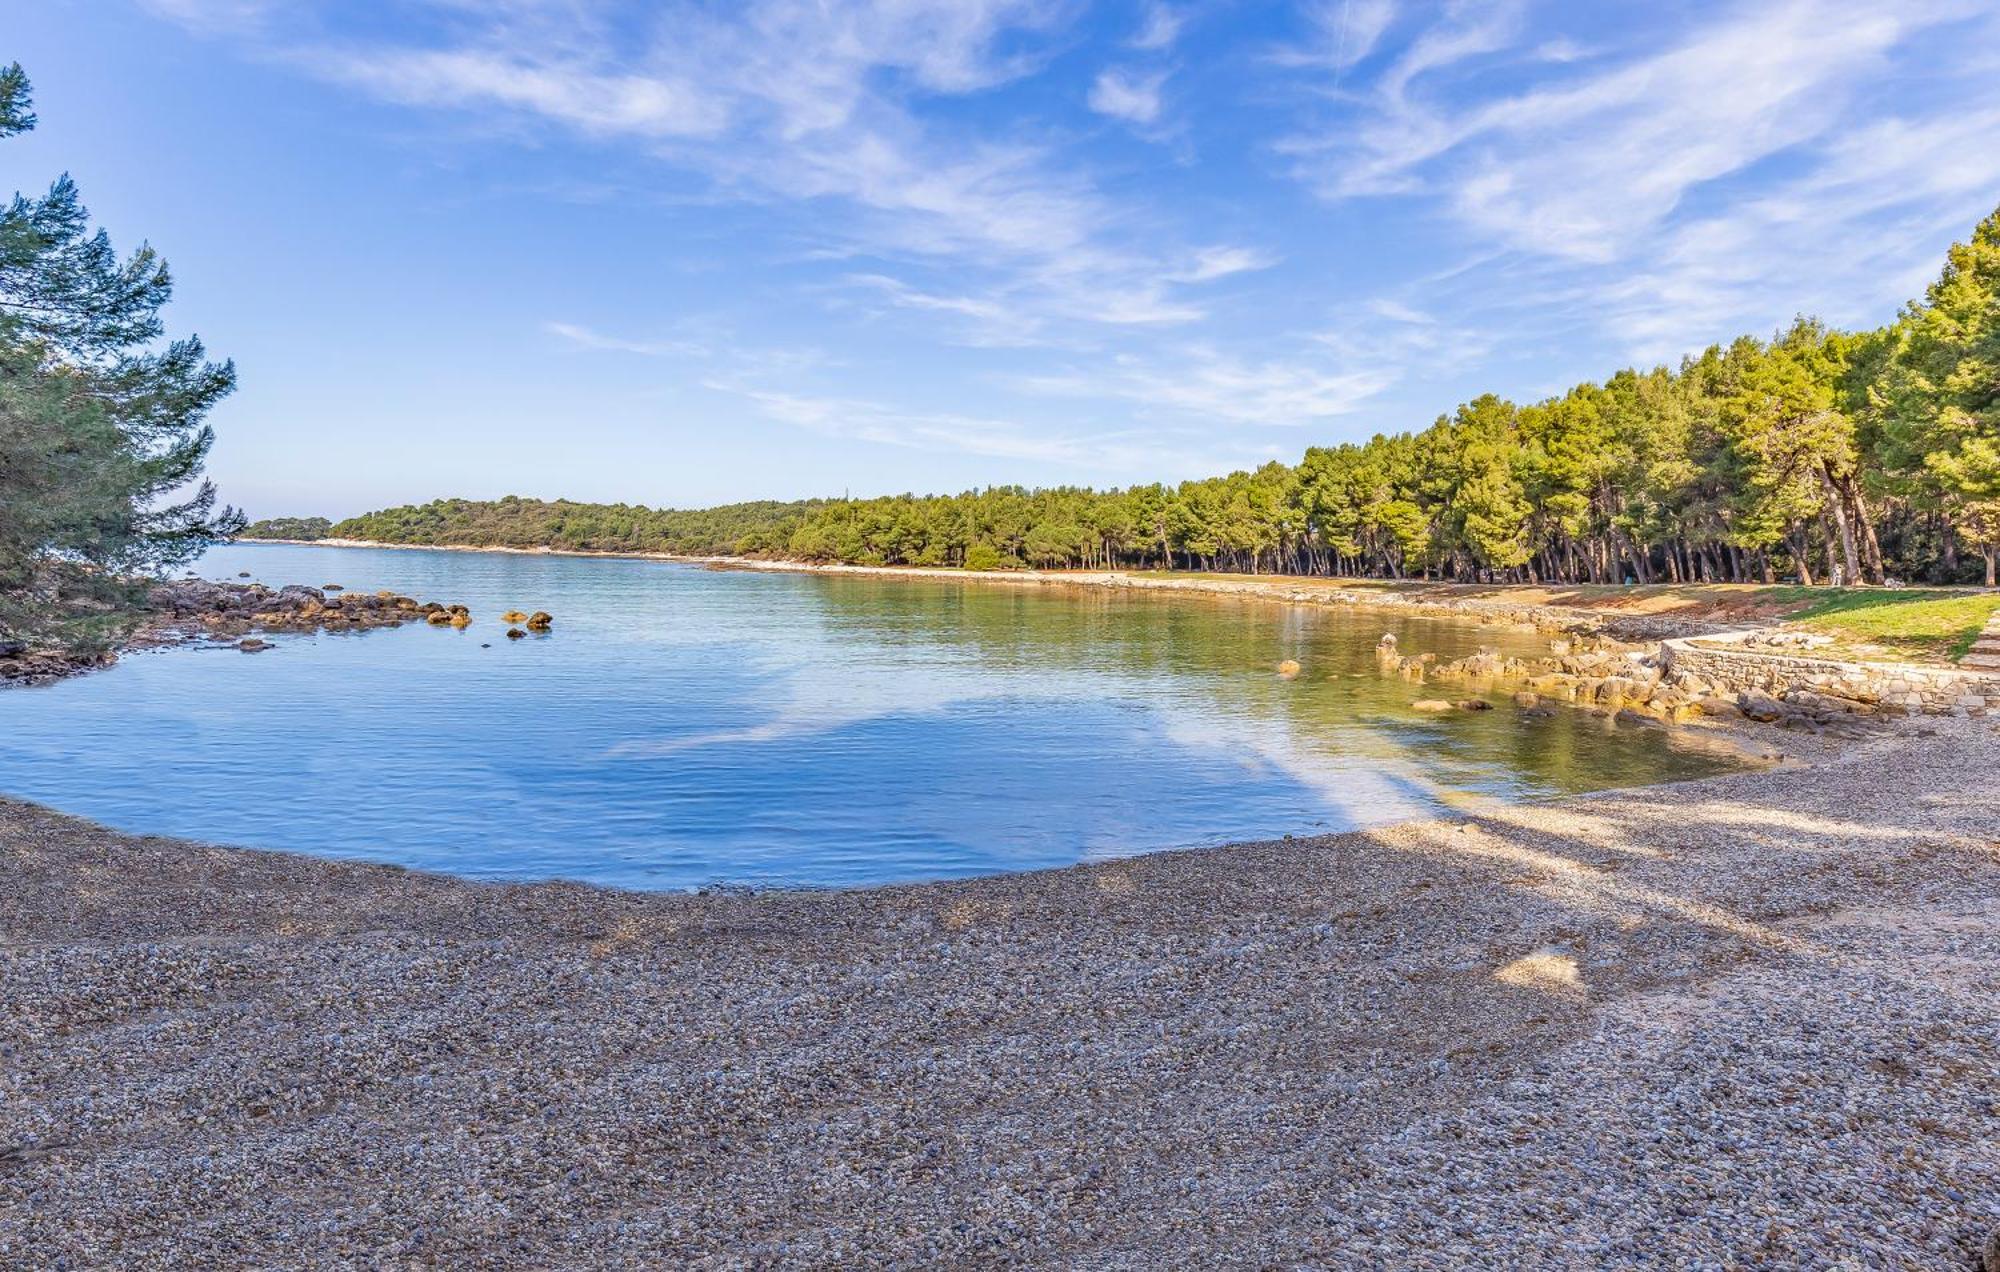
{"points": [[446, 615], [1635, 684], [1630, 683], [20, 665], [192, 606], [184, 610], [192, 609]]}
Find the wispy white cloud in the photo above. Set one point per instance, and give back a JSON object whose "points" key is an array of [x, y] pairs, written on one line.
{"points": [[1340, 33], [801, 105], [1127, 95], [1161, 26], [212, 17], [1677, 193], [581, 337], [592, 101], [1578, 166], [867, 420], [990, 321], [1210, 263], [1206, 384], [1881, 196]]}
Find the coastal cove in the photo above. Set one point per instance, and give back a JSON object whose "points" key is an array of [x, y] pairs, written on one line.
{"points": [[683, 726]]}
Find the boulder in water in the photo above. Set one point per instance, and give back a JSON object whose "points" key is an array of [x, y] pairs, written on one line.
{"points": [[513, 616], [1474, 704], [1430, 704], [461, 619], [539, 621], [1289, 669], [252, 645], [515, 633]]}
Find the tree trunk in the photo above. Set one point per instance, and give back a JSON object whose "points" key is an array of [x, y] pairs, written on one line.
{"points": [[1871, 547], [1796, 541], [1642, 569], [1832, 545], [1836, 508]]}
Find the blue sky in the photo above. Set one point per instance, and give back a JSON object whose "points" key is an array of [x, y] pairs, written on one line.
{"points": [[682, 253]]}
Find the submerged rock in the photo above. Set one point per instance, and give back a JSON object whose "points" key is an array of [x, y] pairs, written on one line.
{"points": [[1430, 704], [1474, 704], [515, 633], [513, 616], [1289, 669]]}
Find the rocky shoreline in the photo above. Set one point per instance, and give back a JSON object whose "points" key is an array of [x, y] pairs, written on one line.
{"points": [[195, 611], [1748, 1021]]}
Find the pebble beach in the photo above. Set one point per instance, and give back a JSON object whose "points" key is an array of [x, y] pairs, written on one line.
{"points": [[1752, 1021]]}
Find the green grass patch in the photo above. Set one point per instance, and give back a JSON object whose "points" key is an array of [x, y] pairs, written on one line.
{"points": [[1907, 622]]}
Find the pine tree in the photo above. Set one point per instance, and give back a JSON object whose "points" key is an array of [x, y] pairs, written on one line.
{"points": [[1944, 389], [101, 430]]}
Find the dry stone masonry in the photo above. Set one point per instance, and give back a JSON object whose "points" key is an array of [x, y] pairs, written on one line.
{"points": [[1729, 663]]}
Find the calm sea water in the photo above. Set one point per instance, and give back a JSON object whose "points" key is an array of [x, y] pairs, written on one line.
{"points": [[682, 726]]}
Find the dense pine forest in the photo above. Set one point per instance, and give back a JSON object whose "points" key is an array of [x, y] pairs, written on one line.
{"points": [[1816, 455]]}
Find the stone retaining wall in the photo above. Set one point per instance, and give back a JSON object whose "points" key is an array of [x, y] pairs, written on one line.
{"points": [[1907, 687]]}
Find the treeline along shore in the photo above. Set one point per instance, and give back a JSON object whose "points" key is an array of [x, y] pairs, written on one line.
{"points": [[1816, 455]]}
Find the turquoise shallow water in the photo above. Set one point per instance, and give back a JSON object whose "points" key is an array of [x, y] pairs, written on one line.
{"points": [[683, 726]]}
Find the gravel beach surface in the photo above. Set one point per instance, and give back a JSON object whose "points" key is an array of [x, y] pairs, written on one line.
{"points": [[1747, 1022]]}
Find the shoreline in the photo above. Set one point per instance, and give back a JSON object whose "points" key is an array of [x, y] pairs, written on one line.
{"points": [[1465, 601], [1267, 1052]]}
